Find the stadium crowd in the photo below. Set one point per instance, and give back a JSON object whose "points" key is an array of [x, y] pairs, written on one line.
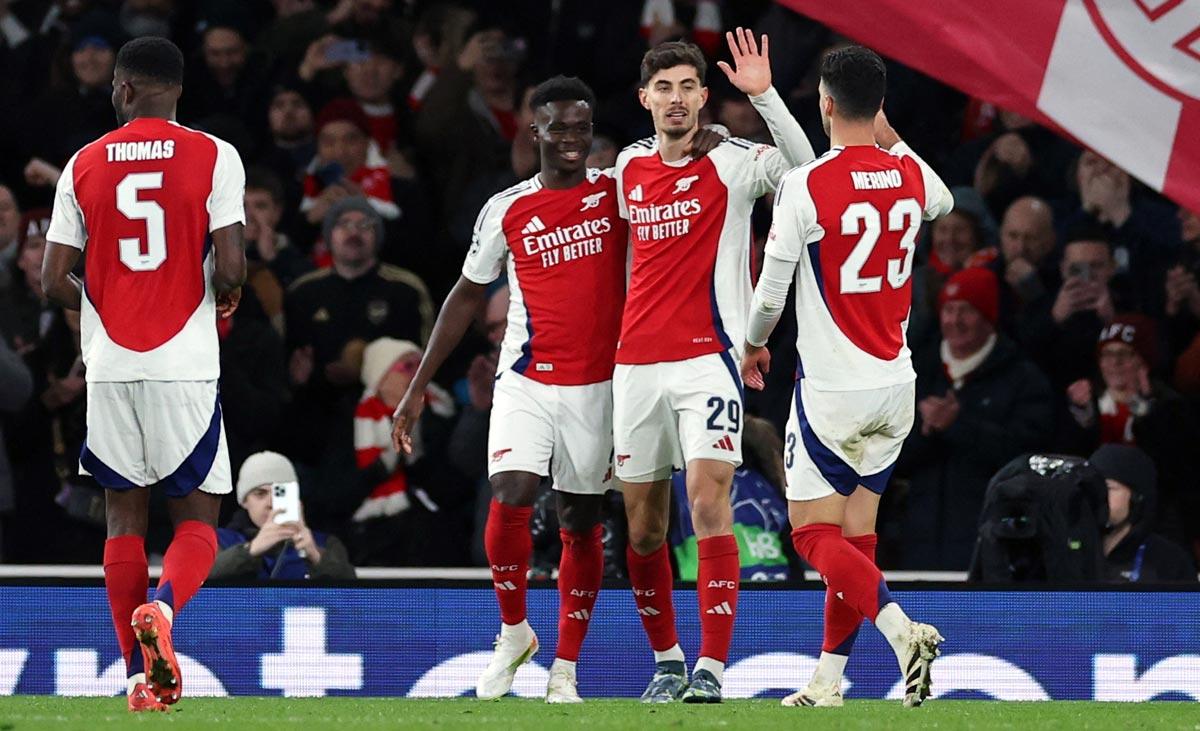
{"points": [[1056, 309]]}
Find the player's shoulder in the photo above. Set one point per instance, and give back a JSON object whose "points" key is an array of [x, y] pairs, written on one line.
{"points": [[641, 148], [306, 282], [795, 181], [400, 275]]}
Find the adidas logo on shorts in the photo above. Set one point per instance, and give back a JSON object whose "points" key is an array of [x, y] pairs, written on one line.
{"points": [[724, 443]]}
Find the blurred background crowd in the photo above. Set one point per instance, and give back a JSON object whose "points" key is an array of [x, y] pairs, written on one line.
{"points": [[1056, 309]]}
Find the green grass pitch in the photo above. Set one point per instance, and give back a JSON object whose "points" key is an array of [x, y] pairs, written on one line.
{"points": [[18, 713]]}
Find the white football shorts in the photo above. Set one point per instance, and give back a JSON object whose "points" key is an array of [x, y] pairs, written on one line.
{"points": [[668, 414], [564, 432], [838, 440], [142, 433]]}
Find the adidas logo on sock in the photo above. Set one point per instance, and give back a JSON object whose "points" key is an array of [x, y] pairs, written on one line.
{"points": [[648, 611], [724, 443], [722, 608], [506, 586], [535, 224], [582, 614]]}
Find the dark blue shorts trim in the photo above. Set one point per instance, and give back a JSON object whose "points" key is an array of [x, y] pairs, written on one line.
{"points": [[833, 468]]}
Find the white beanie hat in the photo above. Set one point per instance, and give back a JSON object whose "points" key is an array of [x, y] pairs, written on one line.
{"points": [[380, 355], [263, 468]]}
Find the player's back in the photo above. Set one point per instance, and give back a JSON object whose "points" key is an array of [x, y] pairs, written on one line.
{"points": [[149, 194], [857, 211]]}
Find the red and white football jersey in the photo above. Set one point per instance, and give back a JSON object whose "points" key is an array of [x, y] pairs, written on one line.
{"points": [[143, 199], [565, 253], [849, 220], [689, 224]]}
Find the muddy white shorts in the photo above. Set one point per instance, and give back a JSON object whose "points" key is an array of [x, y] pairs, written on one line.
{"points": [[142, 433], [838, 440], [564, 432]]}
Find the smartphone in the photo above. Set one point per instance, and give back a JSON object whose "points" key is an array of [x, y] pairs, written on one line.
{"points": [[1081, 269], [285, 496], [348, 51], [329, 174]]}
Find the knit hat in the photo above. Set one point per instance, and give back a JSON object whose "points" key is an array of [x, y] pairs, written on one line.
{"points": [[968, 201], [978, 288], [344, 110], [33, 223], [263, 468], [380, 355], [353, 203], [1129, 466], [1136, 331]]}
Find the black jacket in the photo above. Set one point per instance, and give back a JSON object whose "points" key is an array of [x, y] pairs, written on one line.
{"points": [[1004, 411]]}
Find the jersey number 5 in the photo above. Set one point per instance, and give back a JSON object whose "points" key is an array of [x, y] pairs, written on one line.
{"points": [[128, 204], [863, 220]]}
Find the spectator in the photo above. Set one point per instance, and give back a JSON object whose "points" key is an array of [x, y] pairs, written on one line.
{"points": [[333, 313], [1143, 233], [269, 247], [392, 524], [1060, 332], [372, 82], [1026, 242], [439, 35], [253, 546], [292, 145], [254, 381], [603, 154], [1132, 553], [15, 387], [469, 117], [1183, 307], [1129, 406], [229, 81], [955, 239], [10, 219], [25, 315], [980, 403], [348, 163]]}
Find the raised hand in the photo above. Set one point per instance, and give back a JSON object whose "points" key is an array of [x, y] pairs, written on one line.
{"points": [[751, 71]]}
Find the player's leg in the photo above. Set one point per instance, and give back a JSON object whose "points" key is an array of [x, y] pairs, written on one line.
{"points": [[646, 449], [707, 398], [580, 571], [582, 467], [114, 455], [188, 457]]}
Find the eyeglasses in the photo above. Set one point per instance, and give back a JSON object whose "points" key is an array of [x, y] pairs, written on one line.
{"points": [[361, 225]]}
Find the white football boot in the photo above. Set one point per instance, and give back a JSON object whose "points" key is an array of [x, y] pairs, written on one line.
{"points": [[515, 645], [916, 658], [562, 687], [816, 696]]}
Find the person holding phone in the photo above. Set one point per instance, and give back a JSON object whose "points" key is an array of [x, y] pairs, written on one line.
{"points": [[348, 163], [261, 542]]}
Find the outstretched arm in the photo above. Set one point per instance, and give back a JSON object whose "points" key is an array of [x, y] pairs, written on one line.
{"points": [[751, 74], [457, 313]]}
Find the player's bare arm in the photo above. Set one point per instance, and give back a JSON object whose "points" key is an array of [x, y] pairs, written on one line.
{"points": [[457, 313], [58, 280], [229, 270]]}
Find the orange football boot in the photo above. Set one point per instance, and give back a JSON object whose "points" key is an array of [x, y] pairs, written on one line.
{"points": [[153, 633], [142, 699]]}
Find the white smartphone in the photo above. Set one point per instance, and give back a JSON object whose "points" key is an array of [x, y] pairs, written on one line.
{"points": [[285, 496]]}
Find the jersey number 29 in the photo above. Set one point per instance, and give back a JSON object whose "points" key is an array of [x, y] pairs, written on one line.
{"points": [[863, 220], [130, 249]]}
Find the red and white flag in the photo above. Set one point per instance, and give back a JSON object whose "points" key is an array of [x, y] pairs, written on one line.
{"points": [[1121, 76]]}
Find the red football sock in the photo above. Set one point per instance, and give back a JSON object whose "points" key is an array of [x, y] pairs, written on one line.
{"points": [[842, 621], [846, 571], [579, 574], [126, 578], [186, 563], [508, 544], [651, 578], [717, 590]]}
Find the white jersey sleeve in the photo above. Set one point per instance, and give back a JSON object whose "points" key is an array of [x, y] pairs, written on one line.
{"points": [[66, 220], [794, 225], [489, 247], [787, 133], [226, 202], [938, 199]]}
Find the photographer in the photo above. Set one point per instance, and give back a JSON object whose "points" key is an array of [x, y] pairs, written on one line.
{"points": [[254, 546]]}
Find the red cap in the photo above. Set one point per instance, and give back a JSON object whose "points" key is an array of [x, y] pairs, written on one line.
{"points": [[1136, 331], [344, 110], [977, 287]]}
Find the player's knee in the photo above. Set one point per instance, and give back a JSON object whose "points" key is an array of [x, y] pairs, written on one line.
{"points": [[647, 536], [711, 514], [515, 488]]}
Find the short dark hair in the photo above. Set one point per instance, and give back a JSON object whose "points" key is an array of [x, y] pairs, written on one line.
{"points": [[260, 178], [671, 54], [856, 79], [562, 89], [157, 59], [1090, 231]]}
